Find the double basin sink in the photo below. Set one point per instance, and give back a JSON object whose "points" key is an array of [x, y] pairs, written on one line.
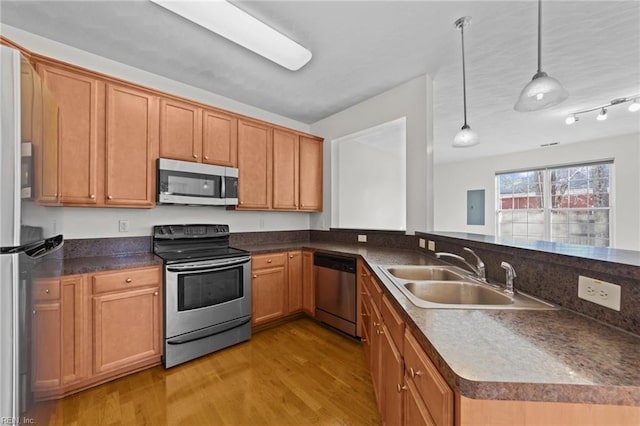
{"points": [[449, 287]]}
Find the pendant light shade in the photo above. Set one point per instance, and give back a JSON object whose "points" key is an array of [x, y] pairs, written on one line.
{"points": [[465, 137], [542, 91]]}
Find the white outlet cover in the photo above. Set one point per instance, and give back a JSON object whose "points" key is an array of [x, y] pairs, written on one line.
{"points": [[362, 238], [432, 245], [422, 242], [599, 292]]}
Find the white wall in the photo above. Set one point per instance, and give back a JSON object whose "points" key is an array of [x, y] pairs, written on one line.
{"points": [[412, 100], [102, 222], [453, 180], [371, 197]]}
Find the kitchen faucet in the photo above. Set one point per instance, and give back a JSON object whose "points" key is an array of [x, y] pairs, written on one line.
{"points": [[511, 274], [479, 269]]}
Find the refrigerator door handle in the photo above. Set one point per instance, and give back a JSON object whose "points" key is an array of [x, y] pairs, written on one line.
{"points": [[36, 249]]}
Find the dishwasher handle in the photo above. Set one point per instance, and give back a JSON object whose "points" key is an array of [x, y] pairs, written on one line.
{"points": [[338, 263]]}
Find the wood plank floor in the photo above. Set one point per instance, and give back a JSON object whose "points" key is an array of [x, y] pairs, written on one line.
{"points": [[297, 373]]}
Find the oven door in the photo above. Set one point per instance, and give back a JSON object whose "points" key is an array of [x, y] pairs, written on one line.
{"points": [[207, 293]]}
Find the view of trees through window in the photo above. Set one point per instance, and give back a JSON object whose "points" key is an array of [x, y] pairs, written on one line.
{"points": [[570, 204]]}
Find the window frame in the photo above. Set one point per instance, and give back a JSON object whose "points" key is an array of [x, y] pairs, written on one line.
{"points": [[547, 207]]}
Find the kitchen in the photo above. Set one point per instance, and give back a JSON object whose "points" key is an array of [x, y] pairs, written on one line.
{"points": [[429, 206]]}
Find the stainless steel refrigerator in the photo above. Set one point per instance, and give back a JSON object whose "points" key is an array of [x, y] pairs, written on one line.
{"points": [[30, 233]]}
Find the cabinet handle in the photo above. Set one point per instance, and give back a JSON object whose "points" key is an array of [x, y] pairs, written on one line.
{"points": [[34, 312], [195, 155], [376, 324], [290, 256], [255, 276], [401, 387], [92, 196], [363, 293], [128, 280], [46, 291], [414, 373], [206, 157], [269, 261], [155, 293], [364, 339], [110, 197]]}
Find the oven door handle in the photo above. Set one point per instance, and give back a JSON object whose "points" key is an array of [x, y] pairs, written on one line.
{"points": [[212, 266], [209, 331]]}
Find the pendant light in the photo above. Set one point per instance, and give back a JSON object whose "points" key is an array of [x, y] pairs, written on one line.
{"points": [[466, 136], [542, 91]]}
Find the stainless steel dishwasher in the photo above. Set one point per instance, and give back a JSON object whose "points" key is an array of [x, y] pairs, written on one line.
{"points": [[336, 291]]}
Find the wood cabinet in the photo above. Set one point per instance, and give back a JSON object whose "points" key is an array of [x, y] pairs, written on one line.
{"points": [[268, 287], [91, 328], [310, 156], [254, 164], [285, 170], [79, 97], [391, 379], [294, 281], [180, 130], [131, 147], [308, 284], [191, 133]]}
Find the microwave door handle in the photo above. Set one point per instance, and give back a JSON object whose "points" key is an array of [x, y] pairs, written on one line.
{"points": [[223, 187]]}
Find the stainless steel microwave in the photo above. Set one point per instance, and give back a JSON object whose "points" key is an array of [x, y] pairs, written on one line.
{"points": [[184, 182]]}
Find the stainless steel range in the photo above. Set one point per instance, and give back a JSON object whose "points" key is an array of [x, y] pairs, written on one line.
{"points": [[207, 290]]}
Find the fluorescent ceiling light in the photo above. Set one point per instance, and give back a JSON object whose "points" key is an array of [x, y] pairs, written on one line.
{"points": [[232, 23]]}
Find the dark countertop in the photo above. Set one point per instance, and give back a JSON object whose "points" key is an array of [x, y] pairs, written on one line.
{"points": [[556, 355], [86, 265]]}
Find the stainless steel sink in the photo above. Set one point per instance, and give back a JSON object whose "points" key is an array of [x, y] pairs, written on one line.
{"points": [[449, 287], [425, 273], [457, 293]]}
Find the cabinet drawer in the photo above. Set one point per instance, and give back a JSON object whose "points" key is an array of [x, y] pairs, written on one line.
{"points": [[394, 323], [434, 391], [46, 290], [125, 279], [269, 260]]}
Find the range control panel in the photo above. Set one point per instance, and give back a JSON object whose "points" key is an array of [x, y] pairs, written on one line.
{"points": [[189, 231]]}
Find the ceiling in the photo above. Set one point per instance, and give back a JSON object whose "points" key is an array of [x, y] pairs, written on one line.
{"points": [[362, 48]]}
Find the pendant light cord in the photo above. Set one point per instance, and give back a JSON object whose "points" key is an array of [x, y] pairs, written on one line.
{"points": [[539, 36], [464, 79]]}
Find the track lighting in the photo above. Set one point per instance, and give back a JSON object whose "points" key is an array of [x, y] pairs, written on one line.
{"points": [[633, 107], [603, 115], [571, 119]]}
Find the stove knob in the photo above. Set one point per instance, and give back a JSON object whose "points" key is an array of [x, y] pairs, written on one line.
{"points": [[161, 230], [171, 231]]}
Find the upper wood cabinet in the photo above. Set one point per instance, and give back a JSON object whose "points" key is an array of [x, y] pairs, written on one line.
{"points": [[131, 147], [219, 138], [190, 133], [180, 130], [255, 165], [80, 99], [285, 170], [310, 154]]}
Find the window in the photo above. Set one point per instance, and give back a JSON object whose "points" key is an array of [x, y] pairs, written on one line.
{"points": [[568, 204]]}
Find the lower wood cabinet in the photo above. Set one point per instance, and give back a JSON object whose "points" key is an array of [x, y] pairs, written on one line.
{"points": [[90, 328], [281, 285]]}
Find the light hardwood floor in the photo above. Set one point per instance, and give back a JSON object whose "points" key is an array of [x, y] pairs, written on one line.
{"points": [[297, 373]]}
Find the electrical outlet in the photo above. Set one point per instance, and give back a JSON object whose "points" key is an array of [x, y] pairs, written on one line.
{"points": [[123, 225], [432, 245], [600, 292], [362, 238], [422, 243]]}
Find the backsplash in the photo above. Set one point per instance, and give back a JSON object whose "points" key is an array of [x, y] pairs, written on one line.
{"points": [[90, 247]]}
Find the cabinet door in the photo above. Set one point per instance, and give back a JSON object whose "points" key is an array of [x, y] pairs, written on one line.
{"points": [[294, 269], [375, 358], [219, 138], [254, 164], [47, 150], [391, 379], [131, 147], [268, 295], [285, 170], [180, 130], [46, 346], [75, 359], [310, 174], [415, 412], [77, 97], [365, 331], [308, 284], [126, 328]]}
